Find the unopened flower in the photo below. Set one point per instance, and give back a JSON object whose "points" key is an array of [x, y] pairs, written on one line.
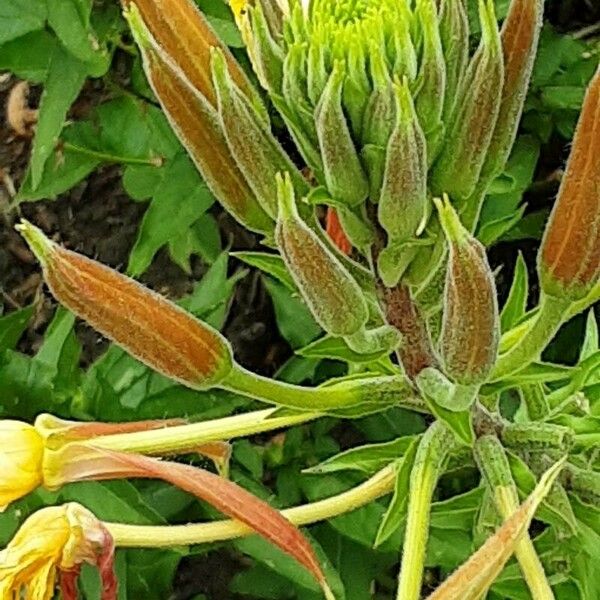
{"points": [[50, 547], [20, 461]]}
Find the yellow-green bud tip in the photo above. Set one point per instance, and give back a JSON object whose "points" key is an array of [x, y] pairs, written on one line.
{"points": [[286, 197], [453, 228], [137, 26], [40, 245]]}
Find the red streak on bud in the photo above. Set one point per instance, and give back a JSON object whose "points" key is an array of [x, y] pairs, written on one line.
{"points": [[570, 253], [149, 327], [336, 233]]}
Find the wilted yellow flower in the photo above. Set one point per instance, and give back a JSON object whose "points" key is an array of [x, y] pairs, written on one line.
{"points": [[20, 461], [54, 542]]}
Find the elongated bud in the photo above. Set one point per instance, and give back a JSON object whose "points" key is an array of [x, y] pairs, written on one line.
{"points": [[569, 259], [257, 153], [454, 35], [152, 329], [520, 35], [333, 296], [431, 79], [336, 232], [182, 31], [470, 131], [584, 482], [403, 200], [196, 123], [471, 323], [537, 436], [493, 464], [344, 175]]}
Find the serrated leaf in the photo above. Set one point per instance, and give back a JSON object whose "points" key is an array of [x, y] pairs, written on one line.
{"points": [[202, 238], [516, 304], [473, 579], [12, 327], [396, 510], [367, 459], [66, 75], [28, 56], [271, 264], [176, 204]]}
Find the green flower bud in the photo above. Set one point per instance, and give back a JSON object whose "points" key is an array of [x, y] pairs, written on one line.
{"points": [[431, 81], [332, 295], [403, 202], [257, 153], [584, 482], [537, 436], [344, 175], [454, 34], [472, 123], [471, 323]]}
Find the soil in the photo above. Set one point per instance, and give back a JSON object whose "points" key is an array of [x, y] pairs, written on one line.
{"points": [[98, 219]]}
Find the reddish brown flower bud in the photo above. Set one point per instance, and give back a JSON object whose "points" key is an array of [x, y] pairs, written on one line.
{"points": [[197, 125], [569, 259], [471, 324], [152, 329], [336, 232]]}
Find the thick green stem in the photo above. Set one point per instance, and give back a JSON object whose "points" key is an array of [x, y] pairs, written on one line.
{"points": [[165, 536], [433, 449], [183, 438], [549, 317]]}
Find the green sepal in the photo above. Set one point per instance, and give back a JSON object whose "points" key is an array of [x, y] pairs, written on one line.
{"points": [[436, 386], [368, 341], [343, 172]]}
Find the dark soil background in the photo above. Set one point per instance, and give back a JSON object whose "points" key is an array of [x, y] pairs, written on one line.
{"points": [[98, 219]]}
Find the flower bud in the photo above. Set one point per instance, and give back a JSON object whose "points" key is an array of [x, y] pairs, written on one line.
{"points": [[20, 461], [403, 202], [471, 323], [431, 80], [149, 327], [343, 172], [537, 436], [569, 259], [336, 232], [196, 123], [454, 35], [471, 126], [332, 295], [257, 153]]}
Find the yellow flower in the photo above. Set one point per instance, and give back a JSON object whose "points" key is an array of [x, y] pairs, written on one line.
{"points": [[20, 461], [55, 541]]}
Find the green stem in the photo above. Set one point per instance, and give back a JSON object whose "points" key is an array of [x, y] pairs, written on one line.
{"points": [[103, 156], [182, 438], [165, 536], [548, 319], [433, 449], [376, 391]]}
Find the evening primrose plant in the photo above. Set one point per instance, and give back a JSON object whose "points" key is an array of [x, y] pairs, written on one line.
{"points": [[401, 121]]}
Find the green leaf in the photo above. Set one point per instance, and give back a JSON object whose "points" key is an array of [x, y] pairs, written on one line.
{"points": [[516, 304], [29, 55], [294, 320], [271, 264], [70, 21], [396, 511], [176, 204], [18, 17], [202, 238], [66, 75], [367, 459], [590, 343], [12, 327]]}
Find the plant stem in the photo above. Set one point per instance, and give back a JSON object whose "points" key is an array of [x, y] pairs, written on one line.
{"points": [[507, 502], [103, 156], [548, 319], [433, 449], [183, 438], [378, 392], [164, 536]]}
